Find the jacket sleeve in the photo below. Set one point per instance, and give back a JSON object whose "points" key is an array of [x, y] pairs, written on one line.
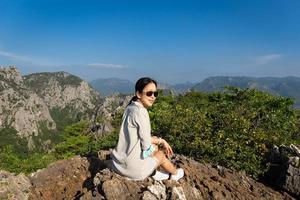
{"points": [[142, 121]]}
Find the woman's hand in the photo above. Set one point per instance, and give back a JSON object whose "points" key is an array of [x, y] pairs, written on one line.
{"points": [[167, 147]]}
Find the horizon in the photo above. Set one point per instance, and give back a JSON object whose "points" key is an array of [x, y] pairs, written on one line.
{"points": [[161, 83], [170, 41]]}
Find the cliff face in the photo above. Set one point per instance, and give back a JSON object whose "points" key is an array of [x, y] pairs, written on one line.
{"points": [[20, 107], [62, 89], [108, 108], [34, 102], [89, 178]]}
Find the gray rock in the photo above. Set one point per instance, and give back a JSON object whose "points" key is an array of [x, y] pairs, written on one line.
{"points": [[87, 178], [284, 171], [14, 187], [27, 101], [292, 181], [158, 190]]}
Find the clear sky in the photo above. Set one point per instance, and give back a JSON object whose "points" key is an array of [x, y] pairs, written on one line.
{"points": [[171, 41]]}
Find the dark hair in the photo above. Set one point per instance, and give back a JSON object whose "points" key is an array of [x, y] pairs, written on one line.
{"points": [[140, 85]]}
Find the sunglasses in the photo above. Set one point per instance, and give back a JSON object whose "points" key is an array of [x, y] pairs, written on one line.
{"points": [[150, 93]]}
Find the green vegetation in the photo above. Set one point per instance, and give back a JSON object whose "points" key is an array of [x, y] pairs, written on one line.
{"points": [[8, 136], [285, 86], [298, 126], [17, 158], [65, 116], [11, 160], [77, 143], [232, 129], [74, 142]]}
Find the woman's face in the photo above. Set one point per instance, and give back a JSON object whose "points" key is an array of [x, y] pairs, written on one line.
{"points": [[146, 100]]}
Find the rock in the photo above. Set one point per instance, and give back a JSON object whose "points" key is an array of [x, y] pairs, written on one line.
{"points": [[157, 191], [202, 181], [12, 74], [296, 149], [108, 108], [33, 103], [20, 107], [88, 178], [294, 161], [284, 170], [14, 187], [292, 180], [66, 179], [178, 193]]}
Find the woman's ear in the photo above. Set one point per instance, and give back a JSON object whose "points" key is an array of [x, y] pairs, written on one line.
{"points": [[138, 94]]}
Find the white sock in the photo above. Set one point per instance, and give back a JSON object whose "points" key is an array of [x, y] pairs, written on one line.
{"points": [[160, 175], [179, 175]]}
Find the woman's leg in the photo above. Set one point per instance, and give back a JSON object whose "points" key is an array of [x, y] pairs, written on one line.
{"points": [[165, 162]]}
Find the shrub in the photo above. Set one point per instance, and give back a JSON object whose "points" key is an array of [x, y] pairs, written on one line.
{"points": [[74, 142], [10, 160], [233, 129]]}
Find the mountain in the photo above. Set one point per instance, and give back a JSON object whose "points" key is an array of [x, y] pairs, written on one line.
{"points": [[37, 106], [115, 85], [61, 90], [286, 86], [182, 87], [110, 86]]}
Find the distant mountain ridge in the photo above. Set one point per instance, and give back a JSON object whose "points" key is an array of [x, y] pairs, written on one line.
{"points": [[108, 86], [286, 86]]}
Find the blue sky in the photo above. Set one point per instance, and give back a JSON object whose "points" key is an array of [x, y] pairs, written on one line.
{"points": [[171, 41]]}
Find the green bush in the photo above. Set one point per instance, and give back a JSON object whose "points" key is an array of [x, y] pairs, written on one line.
{"points": [[74, 142], [233, 129], [11, 161], [9, 136], [78, 141], [107, 142]]}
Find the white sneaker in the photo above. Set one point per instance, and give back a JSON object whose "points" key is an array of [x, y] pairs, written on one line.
{"points": [[160, 175], [179, 175]]}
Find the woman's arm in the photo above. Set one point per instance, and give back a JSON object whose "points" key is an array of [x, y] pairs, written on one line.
{"points": [[159, 141], [155, 140]]}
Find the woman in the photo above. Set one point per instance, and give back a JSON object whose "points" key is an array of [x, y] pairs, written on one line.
{"points": [[136, 155]]}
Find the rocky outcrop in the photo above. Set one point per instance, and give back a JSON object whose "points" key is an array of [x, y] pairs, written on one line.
{"points": [[88, 178], [110, 105], [61, 89], [12, 75], [13, 187], [20, 107], [284, 172], [30, 104], [65, 179], [107, 110]]}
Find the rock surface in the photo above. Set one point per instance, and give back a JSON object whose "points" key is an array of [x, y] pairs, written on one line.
{"points": [[284, 170], [20, 107], [13, 187], [61, 89], [88, 178], [34, 103], [108, 108]]}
